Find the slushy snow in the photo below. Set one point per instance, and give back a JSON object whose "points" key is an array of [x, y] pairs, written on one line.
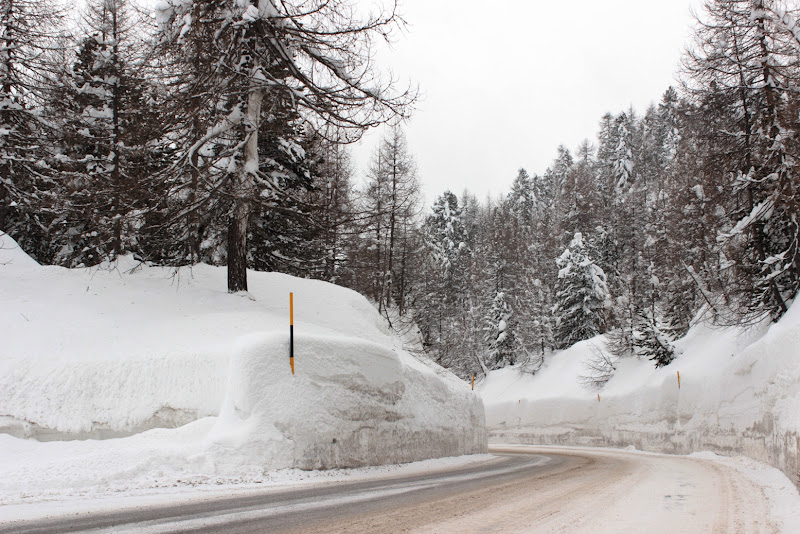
{"points": [[191, 383]]}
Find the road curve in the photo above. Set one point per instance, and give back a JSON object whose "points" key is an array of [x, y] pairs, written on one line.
{"points": [[522, 489]]}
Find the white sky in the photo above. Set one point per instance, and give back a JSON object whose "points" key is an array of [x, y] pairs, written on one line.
{"points": [[505, 82]]}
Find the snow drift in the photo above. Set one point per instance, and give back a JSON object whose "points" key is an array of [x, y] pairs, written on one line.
{"points": [[133, 350], [739, 394]]}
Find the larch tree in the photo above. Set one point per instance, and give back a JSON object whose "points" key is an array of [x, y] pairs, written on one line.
{"points": [[390, 203], [332, 199], [28, 34], [267, 65], [582, 298], [106, 123], [745, 58], [579, 204]]}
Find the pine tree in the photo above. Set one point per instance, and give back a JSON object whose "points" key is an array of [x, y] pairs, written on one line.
{"points": [[582, 297], [282, 235], [500, 337], [652, 339]]}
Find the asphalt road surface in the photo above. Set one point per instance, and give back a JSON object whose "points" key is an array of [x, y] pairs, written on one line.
{"points": [[521, 489]]}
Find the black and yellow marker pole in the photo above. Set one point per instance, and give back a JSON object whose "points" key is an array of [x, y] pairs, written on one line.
{"points": [[291, 331]]}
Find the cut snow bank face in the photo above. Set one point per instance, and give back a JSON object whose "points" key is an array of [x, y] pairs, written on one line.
{"points": [[739, 394], [118, 350], [351, 403]]}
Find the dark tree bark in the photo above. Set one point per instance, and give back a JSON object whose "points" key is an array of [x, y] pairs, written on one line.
{"points": [[237, 248]]}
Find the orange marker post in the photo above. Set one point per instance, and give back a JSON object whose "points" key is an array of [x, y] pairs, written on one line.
{"points": [[679, 380], [291, 331], [473, 381]]}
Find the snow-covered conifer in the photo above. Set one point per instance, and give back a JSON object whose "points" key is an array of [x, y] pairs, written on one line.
{"points": [[106, 124], [653, 339], [28, 191], [444, 233], [522, 198], [582, 297], [500, 336]]}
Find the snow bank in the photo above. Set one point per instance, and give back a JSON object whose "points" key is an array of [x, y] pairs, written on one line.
{"points": [[138, 351], [739, 395], [337, 411]]}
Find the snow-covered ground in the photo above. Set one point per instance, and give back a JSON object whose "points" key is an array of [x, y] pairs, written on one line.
{"points": [[739, 395], [193, 385], [190, 389]]}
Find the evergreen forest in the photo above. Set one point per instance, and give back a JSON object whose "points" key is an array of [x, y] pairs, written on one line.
{"points": [[217, 131]]}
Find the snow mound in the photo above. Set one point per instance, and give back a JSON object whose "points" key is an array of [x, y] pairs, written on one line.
{"points": [[152, 356], [738, 394], [12, 257]]}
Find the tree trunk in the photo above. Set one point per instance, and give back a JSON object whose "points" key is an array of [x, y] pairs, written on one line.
{"points": [[401, 295], [379, 268], [116, 173], [237, 228], [4, 201], [237, 247], [7, 43]]}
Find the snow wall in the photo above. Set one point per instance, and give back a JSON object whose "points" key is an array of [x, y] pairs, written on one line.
{"points": [[739, 395], [128, 348], [338, 411]]}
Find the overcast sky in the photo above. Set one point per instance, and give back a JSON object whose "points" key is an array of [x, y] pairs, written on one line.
{"points": [[505, 82]]}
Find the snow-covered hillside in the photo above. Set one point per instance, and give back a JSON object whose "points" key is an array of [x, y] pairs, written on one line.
{"points": [[192, 380], [739, 394]]}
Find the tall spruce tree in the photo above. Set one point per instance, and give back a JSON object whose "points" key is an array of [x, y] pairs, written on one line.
{"points": [[582, 297], [445, 290], [500, 334]]}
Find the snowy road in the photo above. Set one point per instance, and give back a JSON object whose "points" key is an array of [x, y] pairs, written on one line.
{"points": [[522, 489]]}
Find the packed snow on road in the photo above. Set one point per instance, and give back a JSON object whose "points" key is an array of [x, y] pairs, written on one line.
{"points": [[731, 395]]}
